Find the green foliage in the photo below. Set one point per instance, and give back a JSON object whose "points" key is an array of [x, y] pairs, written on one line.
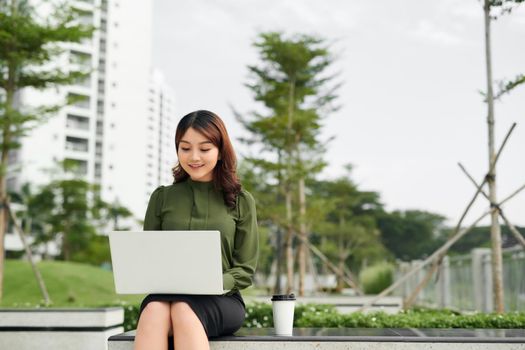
{"points": [[347, 227], [131, 315], [96, 252], [411, 234], [506, 86], [291, 84], [29, 47], [70, 210], [376, 278], [414, 319], [259, 315]]}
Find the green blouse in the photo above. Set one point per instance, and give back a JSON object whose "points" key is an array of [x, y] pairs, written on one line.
{"points": [[191, 205]]}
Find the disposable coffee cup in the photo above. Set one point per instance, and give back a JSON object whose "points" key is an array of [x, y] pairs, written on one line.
{"points": [[283, 306]]}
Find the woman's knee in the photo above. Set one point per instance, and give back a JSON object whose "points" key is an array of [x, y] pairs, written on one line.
{"points": [[156, 314], [182, 314]]}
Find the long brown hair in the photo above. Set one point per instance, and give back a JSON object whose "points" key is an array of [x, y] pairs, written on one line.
{"points": [[225, 172]]}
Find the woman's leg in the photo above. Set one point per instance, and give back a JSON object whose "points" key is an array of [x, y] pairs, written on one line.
{"points": [[188, 331], [153, 327]]}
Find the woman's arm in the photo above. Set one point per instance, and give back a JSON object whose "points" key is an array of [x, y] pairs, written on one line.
{"points": [[246, 246], [153, 219]]}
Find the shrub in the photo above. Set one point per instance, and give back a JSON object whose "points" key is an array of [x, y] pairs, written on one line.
{"points": [[376, 278], [259, 315], [415, 319], [131, 317]]}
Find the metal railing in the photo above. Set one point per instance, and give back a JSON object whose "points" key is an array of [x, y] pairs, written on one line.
{"points": [[465, 282]]}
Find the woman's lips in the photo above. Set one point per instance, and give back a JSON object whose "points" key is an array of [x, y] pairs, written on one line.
{"points": [[195, 166]]}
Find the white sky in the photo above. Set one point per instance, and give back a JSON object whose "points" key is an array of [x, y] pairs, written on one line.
{"points": [[411, 69]]}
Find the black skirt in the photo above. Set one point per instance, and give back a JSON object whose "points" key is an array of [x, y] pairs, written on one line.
{"points": [[219, 314]]}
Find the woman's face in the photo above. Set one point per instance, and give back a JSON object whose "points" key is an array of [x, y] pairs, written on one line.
{"points": [[197, 155]]}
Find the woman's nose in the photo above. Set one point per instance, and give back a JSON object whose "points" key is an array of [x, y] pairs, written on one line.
{"points": [[195, 155]]}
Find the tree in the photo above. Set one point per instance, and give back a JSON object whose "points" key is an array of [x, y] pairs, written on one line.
{"points": [[30, 41], [292, 85], [411, 234], [38, 206], [348, 230], [69, 210], [75, 213], [490, 10]]}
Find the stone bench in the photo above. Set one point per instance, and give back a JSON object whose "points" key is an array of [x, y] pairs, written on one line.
{"points": [[356, 338], [64, 329]]}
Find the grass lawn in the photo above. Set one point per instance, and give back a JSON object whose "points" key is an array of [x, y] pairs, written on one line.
{"points": [[68, 284]]}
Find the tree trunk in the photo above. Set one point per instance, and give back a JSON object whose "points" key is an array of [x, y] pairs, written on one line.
{"points": [[495, 231], [3, 224], [38, 276], [289, 240], [278, 261], [340, 276], [302, 233], [288, 189], [341, 256], [6, 139]]}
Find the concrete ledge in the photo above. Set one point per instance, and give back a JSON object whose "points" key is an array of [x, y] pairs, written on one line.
{"points": [[65, 329], [58, 318], [354, 338], [56, 339]]}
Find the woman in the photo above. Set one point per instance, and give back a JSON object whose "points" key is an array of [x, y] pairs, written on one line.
{"points": [[206, 195]]}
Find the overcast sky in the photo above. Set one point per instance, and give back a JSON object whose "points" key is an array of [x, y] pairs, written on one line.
{"points": [[412, 72]]}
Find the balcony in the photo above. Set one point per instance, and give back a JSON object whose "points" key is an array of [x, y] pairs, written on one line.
{"points": [[76, 144], [76, 122]]}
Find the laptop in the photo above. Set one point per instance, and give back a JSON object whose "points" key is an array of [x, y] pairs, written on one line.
{"points": [[167, 262]]}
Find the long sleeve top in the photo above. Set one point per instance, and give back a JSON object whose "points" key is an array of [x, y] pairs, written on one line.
{"points": [[191, 205]]}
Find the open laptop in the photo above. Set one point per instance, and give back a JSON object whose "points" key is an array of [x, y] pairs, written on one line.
{"points": [[167, 262]]}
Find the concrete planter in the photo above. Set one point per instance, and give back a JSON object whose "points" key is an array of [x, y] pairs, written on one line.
{"points": [[65, 329]]}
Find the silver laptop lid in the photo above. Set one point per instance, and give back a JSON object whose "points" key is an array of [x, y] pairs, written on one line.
{"points": [[170, 262]]}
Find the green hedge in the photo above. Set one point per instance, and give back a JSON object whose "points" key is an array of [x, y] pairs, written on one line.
{"points": [[317, 315], [413, 319], [376, 278]]}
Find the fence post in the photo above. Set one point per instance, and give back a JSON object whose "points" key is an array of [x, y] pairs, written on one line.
{"points": [[416, 278], [488, 301], [404, 288], [444, 284], [479, 279]]}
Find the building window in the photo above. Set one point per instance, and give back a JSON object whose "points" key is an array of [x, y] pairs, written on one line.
{"points": [[77, 122], [76, 144]]}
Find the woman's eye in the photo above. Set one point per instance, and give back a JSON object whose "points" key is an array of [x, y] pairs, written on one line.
{"points": [[205, 150], [185, 149]]}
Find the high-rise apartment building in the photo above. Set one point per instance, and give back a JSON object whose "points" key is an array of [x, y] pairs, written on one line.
{"points": [[120, 131], [160, 146]]}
